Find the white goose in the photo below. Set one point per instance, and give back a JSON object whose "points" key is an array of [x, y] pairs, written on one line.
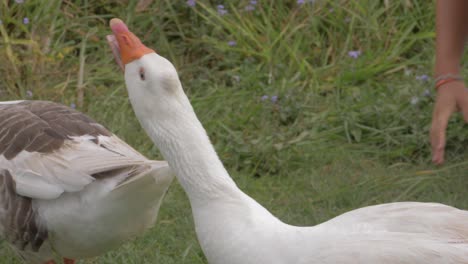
{"points": [[68, 186], [232, 228]]}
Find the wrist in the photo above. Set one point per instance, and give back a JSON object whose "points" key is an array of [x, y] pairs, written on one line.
{"points": [[447, 67], [449, 84], [444, 79]]}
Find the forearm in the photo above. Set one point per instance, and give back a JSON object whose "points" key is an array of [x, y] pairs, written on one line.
{"points": [[451, 34]]}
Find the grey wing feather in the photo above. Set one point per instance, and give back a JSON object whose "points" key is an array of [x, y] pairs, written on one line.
{"points": [[18, 221]]}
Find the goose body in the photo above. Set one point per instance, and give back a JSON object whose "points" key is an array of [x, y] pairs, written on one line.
{"points": [[232, 228], [70, 187]]}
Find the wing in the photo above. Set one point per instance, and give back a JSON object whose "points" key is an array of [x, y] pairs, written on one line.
{"points": [[17, 218], [407, 217], [387, 247], [43, 127], [49, 149]]}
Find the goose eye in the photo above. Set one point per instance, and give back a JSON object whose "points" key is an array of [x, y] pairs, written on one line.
{"points": [[142, 74]]}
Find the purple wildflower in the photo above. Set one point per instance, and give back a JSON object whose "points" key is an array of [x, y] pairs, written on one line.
{"points": [[25, 20], [73, 105], [301, 2], [221, 10], [354, 53], [253, 2], [264, 98], [274, 98], [426, 93], [19, 1], [423, 78], [29, 94], [250, 8], [232, 43], [191, 3], [414, 100]]}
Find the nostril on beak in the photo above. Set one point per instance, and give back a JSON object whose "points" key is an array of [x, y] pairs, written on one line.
{"points": [[126, 40]]}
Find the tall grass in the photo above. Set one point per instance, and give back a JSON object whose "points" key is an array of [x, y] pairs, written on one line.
{"points": [[315, 108]]}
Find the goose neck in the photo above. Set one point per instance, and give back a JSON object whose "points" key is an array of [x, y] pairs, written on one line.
{"points": [[193, 158]]}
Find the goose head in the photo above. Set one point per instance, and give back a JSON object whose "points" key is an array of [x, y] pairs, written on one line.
{"points": [[152, 82], [165, 113]]}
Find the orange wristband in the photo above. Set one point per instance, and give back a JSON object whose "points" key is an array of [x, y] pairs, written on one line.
{"points": [[439, 83]]}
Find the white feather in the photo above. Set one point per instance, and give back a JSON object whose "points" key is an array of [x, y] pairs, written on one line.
{"points": [[11, 102], [31, 184]]}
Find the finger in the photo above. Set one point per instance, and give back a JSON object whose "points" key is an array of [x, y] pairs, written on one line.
{"points": [[442, 111], [438, 140], [438, 157], [462, 104]]}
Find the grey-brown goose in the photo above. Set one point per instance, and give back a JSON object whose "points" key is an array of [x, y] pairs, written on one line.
{"points": [[68, 186]]}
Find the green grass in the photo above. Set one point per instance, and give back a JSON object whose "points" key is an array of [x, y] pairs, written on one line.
{"points": [[343, 133]]}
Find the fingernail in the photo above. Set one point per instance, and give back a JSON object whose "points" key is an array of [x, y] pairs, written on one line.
{"points": [[437, 161]]}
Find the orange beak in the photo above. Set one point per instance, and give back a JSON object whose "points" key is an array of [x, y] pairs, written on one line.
{"points": [[129, 45]]}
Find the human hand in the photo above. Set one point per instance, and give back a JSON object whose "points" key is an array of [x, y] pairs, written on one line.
{"points": [[450, 97]]}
